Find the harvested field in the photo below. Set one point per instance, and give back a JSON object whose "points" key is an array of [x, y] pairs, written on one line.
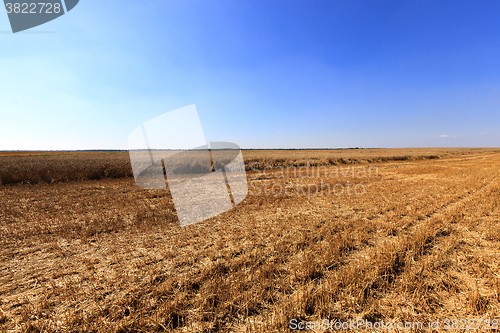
{"points": [[417, 239], [48, 167]]}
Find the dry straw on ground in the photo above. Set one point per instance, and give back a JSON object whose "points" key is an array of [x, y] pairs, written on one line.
{"points": [[106, 256], [49, 167]]}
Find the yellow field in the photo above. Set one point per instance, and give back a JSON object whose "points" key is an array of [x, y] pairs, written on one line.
{"points": [[397, 235]]}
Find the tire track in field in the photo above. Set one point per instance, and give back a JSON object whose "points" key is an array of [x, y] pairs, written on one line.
{"points": [[458, 277], [444, 210], [436, 220], [430, 232]]}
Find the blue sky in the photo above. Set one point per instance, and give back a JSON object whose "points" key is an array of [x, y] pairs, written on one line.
{"points": [[263, 74]]}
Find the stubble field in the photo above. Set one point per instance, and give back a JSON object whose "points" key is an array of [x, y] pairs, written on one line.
{"points": [[397, 235]]}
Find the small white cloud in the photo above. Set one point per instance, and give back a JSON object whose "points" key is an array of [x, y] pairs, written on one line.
{"points": [[444, 136]]}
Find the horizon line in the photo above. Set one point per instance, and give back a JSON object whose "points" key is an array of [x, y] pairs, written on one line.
{"points": [[308, 148]]}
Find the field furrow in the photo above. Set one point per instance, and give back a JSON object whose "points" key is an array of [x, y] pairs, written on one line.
{"points": [[419, 240]]}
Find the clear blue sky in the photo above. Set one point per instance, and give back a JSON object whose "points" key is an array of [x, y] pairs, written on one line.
{"points": [[263, 74]]}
